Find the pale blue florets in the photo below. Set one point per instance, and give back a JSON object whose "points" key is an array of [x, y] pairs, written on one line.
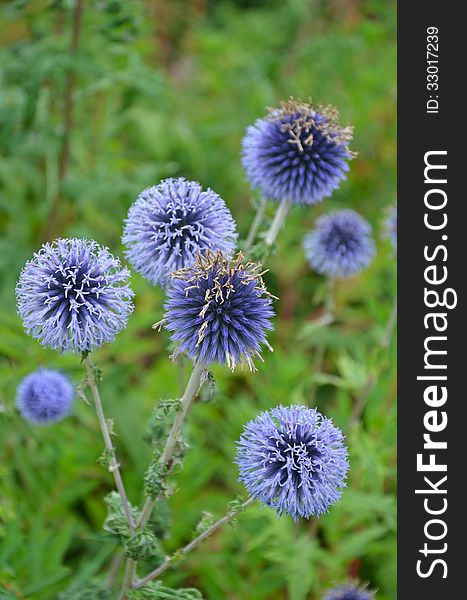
{"points": [[340, 245], [349, 591], [293, 459], [391, 226], [73, 295], [296, 153], [171, 223], [44, 396], [219, 310]]}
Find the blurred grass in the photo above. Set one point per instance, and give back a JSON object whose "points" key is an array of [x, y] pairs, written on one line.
{"points": [[167, 89]]}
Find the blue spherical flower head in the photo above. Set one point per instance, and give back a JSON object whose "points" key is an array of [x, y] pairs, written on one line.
{"points": [[391, 226], [293, 459], [297, 153], [340, 245], [173, 222], [73, 295], [44, 396], [219, 310], [349, 591]]}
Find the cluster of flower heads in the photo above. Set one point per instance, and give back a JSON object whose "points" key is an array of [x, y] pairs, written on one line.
{"points": [[171, 223], [297, 153], [293, 459], [44, 396], [349, 591], [73, 295], [219, 310], [340, 245]]}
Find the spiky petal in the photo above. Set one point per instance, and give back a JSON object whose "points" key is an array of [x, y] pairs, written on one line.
{"points": [[297, 153], [219, 310], [349, 591], [73, 295], [171, 223], [340, 245]]}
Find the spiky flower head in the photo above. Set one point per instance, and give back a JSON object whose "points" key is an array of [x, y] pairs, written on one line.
{"points": [[349, 591], [298, 152], [73, 295], [390, 225], [44, 396], [293, 459], [171, 223], [340, 245], [219, 310]]}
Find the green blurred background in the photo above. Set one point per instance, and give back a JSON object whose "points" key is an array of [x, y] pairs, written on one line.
{"points": [[92, 111]]}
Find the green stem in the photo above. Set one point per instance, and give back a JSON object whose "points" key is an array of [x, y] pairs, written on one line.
{"points": [[192, 545], [186, 402], [256, 223], [277, 223], [114, 466], [130, 570]]}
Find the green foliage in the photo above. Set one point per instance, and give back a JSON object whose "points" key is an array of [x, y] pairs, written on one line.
{"points": [[155, 484], [157, 591], [116, 521], [161, 519], [166, 89], [88, 591], [143, 545], [204, 523], [160, 422]]}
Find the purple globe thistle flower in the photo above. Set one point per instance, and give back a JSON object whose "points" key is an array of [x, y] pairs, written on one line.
{"points": [[219, 310], [171, 223], [293, 459], [73, 295], [349, 591], [340, 245], [297, 153], [44, 396], [391, 225]]}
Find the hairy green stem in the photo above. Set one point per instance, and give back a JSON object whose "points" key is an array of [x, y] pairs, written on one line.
{"points": [[192, 545], [114, 466], [186, 402], [277, 223]]}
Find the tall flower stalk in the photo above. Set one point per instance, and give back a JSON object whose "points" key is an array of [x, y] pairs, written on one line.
{"points": [[113, 464], [73, 296], [218, 310]]}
